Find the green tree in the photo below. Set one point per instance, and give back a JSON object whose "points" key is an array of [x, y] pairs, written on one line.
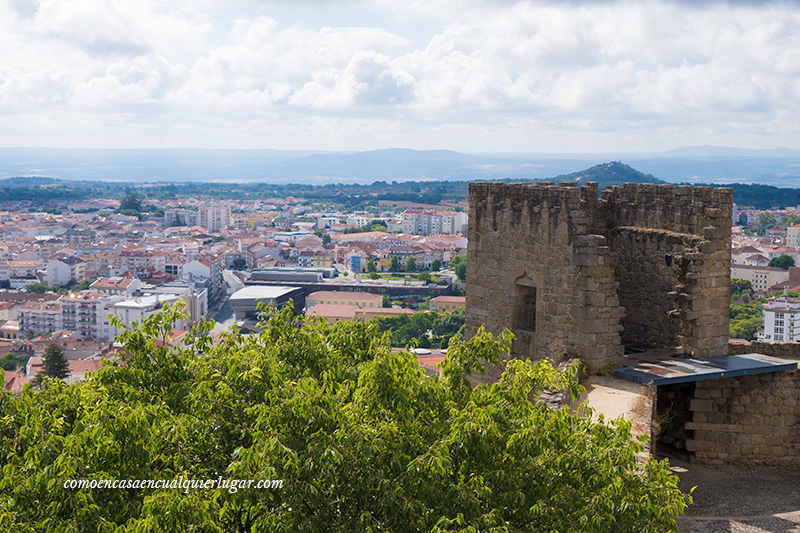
{"points": [[326, 239], [130, 203], [460, 258], [9, 362], [379, 225], [374, 275], [54, 362], [449, 324], [783, 261], [459, 264], [745, 319], [424, 276], [741, 285], [765, 220], [436, 265], [394, 265], [411, 264], [461, 271], [789, 220], [361, 438], [83, 285], [371, 266], [39, 287]]}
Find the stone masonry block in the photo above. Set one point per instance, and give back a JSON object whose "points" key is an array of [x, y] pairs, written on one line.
{"points": [[701, 405]]}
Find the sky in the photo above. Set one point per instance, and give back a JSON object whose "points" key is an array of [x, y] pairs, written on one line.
{"points": [[484, 76]]}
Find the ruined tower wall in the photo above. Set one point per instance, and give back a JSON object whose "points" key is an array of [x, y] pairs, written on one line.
{"points": [[561, 267], [639, 262], [536, 269], [684, 303]]}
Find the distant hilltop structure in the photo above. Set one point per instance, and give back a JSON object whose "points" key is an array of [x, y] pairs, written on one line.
{"points": [[573, 273]]}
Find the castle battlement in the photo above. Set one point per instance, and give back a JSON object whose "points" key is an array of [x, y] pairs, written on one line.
{"points": [[576, 273]]}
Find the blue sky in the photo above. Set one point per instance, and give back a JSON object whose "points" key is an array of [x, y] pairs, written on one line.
{"points": [[482, 76]]}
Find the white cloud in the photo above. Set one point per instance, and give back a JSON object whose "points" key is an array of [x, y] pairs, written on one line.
{"points": [[628, 71]]}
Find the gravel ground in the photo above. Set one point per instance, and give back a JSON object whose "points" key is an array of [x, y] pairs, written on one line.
{"points": [[744, 499]]}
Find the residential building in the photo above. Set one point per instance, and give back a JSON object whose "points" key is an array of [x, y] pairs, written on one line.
{"points": [[79, 236], [39, 317], [142, 260], [62, 270], [306, 259], [781, 320], [194, 295], [22, 273], [181, 217], [761, 278], [793, 236], [428, 222], [446, 304], [138, 309], [215, 217], [322, 259], [82, 312]]}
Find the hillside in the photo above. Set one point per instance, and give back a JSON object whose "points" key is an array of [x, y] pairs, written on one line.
{"points": [[605, 174]]}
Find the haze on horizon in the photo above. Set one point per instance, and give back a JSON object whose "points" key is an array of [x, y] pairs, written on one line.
{"points": [[474, 76]]}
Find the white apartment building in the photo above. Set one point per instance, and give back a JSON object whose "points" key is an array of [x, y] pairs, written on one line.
{"points": [[138, 309], [87, 312], [215, 218], [781, 320], [360, 220], [83, 312], [427, 222], [196, 299], [39, 317], [181, 217], [62, 270]]}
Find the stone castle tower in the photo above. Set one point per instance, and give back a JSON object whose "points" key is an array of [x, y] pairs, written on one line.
{"points": [[575, 274]]}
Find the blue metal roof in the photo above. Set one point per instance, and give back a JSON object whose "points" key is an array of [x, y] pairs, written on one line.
{"points": [[673, 370]]}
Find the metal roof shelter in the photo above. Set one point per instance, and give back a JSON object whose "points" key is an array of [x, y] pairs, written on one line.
{"points": [[673, 370]]}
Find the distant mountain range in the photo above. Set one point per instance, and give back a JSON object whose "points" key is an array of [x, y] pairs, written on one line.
{"points": [[42, 190], [703, 164]]}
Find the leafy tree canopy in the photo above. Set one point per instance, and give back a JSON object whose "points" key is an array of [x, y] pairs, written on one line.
{"points": [[789, 220], [40, 287], [130, 203], [740, 285], [362, 439], [765, 220], [783, 261], [411, 265], [461, 271]]}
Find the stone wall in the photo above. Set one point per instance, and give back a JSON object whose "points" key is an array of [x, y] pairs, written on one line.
{"points": [[783, 350], [561, 267], [747, 419]]}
